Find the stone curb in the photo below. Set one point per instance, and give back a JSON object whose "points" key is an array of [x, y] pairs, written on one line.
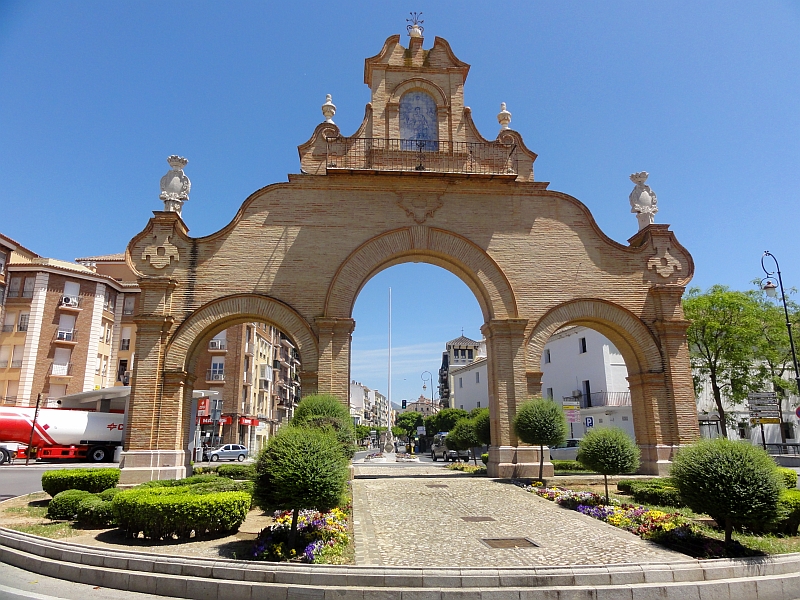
{"points": [[775, 578]]}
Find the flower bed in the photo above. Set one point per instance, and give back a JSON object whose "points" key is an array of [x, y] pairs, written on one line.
{"points": [[672, 530], [321, 538], [466, 468]]}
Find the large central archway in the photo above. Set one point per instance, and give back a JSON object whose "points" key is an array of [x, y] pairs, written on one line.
{"points": [[298, 253]]}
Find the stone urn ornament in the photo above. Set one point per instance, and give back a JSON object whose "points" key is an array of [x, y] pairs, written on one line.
{"points": [[175, 185], [328, 110], [643, 200], [414, 26], [503, 117]]}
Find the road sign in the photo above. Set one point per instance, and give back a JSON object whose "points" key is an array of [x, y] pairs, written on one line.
{"points": [[421, 430], [589, 422], [572, 410], [202, 407]]}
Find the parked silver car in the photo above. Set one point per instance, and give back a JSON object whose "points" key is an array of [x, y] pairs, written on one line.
{"points": [[227, 452]]}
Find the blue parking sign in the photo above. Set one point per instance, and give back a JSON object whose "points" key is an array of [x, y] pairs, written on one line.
{"points": [[589, 421]]}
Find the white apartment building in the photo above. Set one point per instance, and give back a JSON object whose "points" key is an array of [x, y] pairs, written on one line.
{"points": [[369, 407]]}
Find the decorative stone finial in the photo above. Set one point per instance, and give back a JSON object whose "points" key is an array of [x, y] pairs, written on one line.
{"points": [[643, 200], [328, 110], [414, 26], [503, 117], [175, 185]]}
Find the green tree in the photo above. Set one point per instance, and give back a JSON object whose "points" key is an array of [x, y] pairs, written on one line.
{"points": [[409, 421], [608, 451], [323, 411], [300, 468], [773, 351], [733, 482], [723, 335], [540, 423], [463, 437], [362, 432], [446, 419], [398, 431], [483, 426]]}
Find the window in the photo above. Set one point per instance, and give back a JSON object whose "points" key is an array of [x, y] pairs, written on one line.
{"points": [[587, 393], [469, 354], [477, 377], [5, 355], [582, 345], [547, 356], [462, 407], [99, 364], [14, 287], [460, 382], [109, 329], [479, 404], [128, 305], [109, 300], [122, 367], [550, 393], [3, 258], [125, 341], [23, 322], [8, 323], [625, 418], [16, 357], [27, 289]]}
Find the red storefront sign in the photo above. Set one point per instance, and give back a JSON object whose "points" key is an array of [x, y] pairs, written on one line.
{"points": [[248, 421], [223, 420], [202, 407]]}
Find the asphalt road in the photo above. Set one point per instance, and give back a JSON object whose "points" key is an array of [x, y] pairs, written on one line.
{"points": [[17, 479]]}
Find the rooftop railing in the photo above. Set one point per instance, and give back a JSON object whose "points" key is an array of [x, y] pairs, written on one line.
{"points": [[596, 399], [421, 156]]}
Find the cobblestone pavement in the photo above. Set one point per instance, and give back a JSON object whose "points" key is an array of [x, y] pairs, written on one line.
{"points": [[400, 519]]}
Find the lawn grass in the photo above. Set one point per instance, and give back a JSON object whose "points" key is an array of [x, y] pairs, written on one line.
{"points": [[32, 510], [54, 530]]}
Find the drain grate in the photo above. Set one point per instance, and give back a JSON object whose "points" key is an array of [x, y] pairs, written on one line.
{"points": [[509, 543], [436, 485], [476, 519]]}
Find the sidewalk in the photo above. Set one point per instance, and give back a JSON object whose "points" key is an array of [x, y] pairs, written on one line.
{"points": [[427, 516]]}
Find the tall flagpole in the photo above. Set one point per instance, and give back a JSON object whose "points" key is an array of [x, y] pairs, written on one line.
{"points": [[389, 383]]}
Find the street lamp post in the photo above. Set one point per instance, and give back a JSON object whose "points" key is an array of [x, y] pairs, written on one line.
{"points": [[429, 378], [769, 287]]}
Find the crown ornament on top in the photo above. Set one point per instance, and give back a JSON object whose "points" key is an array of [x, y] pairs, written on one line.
{"points": [[643, 200], [503, 117], [175, 185], [328, 109], [414, 26]]}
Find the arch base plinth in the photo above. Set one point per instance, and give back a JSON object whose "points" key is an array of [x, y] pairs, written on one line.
{"points": [[656, 459], [138, 466], [517, 462]]}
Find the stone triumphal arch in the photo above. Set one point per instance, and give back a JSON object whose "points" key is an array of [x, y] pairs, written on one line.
{"points": [[416, 182]]}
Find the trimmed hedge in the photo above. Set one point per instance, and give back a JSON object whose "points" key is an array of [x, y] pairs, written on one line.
{"points": [[64, 505], [88, 480], [108, 495], [161, 513], [485, 458], [237, 471], [789, 512], [194, 479], [95, 513], [568, 465], [624, 485], [661, 492], [789, 477]]}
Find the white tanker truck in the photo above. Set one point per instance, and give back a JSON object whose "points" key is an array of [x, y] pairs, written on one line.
{"points": [[88, 426]]}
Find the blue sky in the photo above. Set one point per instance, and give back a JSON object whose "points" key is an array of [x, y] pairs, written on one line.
{"points": [[704, 96]]}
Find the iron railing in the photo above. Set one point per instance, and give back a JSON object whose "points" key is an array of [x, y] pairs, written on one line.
{"points": [[421, 156], [61, 370], [596, 399], [215, 375], [66, 335]]}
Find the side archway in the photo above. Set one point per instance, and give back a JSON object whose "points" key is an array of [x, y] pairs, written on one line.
{"points": [[224, 312], [423, 244]]}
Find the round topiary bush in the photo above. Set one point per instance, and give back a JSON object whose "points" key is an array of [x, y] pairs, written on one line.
{"points": [[327, 412], [483, 427], [95, 513], [167, 512], [300, 468], [88, 480], [463, 437], [64, 505], [733, 482], [608, 451], [789, 477], [540, 423], [108, 495]]}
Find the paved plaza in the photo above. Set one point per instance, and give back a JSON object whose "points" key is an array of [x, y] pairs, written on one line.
{"points": [[414, 516]]}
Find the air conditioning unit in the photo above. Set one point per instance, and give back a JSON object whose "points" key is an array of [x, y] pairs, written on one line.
{"points": [[217, 377], [69, 301], [577, 393], [216, 345]]}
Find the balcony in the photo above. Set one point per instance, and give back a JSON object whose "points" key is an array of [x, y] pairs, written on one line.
{"points": [[69, 302], [16, 364], [491, 159], [215, 376], [216, 346], [600, 399], [247, 378], [3, 364], [66, 336], [10, 400], [248, 349], [61, 370], [8, 328]]}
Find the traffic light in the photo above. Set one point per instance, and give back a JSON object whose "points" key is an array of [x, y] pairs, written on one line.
{"points": [[404, 404]]}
